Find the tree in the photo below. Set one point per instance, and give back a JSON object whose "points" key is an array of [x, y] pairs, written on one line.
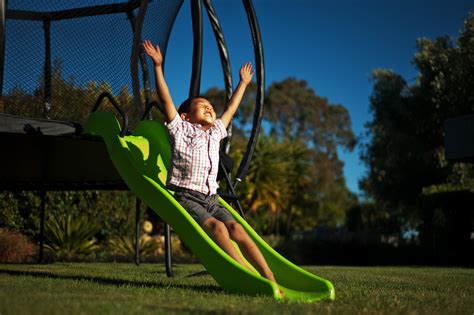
{"points": [[296, 112], [405, 151]]}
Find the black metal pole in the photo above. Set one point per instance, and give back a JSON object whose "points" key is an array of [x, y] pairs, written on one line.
{"points": [[196, 14], [117, 107], [62, 15], [47, 68], [3, 23], [144, 65], [260, 73], [169, 269], [138, 205], [225, 62], [137, 31], [232, 191], [42, 215]]}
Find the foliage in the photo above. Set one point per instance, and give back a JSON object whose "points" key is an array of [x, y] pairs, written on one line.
{"points": [[20, 211], [266, 174], [111, 209], [296, 112], [124, 245], [367, 217], [405, 148], [68, 237], [15, 247], [69, 100], [281, 191]]}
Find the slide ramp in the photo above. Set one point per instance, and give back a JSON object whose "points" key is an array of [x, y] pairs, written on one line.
{"points": [[141, 161]]}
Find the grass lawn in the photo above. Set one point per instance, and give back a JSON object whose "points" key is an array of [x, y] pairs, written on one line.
{"points": [[108, 288]]}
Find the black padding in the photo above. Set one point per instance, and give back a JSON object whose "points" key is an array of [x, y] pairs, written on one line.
{"points": [[27, 125]]}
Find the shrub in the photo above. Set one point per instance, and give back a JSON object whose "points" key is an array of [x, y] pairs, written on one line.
{"points": [[20, 210], [125, 246], [69, 237], [15, 247], [151, 248]]}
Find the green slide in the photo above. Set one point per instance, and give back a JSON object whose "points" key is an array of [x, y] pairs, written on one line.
{"points": [[141, 160]]}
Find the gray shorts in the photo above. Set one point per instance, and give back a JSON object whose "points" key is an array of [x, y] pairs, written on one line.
{"points": [[202, 207]]}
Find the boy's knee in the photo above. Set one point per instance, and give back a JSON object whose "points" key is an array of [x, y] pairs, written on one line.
{"points": [[237, 232], [218, 228]]}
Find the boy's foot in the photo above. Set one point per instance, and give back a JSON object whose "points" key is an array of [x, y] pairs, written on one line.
{"points": [[271, 277]]}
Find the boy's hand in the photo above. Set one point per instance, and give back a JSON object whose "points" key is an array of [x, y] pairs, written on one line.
{"points": [[154, 53], [246, 73]]}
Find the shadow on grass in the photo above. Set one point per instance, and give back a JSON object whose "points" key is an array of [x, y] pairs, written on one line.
{"points": [[198, 274], [114, 282]]}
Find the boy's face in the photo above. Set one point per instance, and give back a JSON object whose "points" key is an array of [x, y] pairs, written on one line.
{"points": [[201, 112]]}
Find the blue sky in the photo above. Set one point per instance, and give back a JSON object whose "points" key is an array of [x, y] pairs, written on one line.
{"points": [[333, 45]]}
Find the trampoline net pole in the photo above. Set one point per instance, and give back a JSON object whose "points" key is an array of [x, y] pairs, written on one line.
{"points": [[196, 13], [47, 68], [3, 8]]}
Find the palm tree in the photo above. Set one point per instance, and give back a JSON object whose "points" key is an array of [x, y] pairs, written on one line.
{"points": [[266, 180], [299, 179]]}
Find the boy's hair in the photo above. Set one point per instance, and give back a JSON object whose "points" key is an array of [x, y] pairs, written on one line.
{"points": [[185, 106]]}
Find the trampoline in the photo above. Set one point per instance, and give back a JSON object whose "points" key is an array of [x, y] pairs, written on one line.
{"points": [[48, 93]]}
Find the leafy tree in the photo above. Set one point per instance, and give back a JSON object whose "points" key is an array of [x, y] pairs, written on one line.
{"points": [[296, 113], [405, 151]]}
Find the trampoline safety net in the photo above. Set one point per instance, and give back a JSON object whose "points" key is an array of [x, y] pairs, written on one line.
{"points": [[60, 55]]}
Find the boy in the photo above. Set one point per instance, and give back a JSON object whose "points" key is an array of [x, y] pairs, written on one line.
{"points": [[195, 136]]}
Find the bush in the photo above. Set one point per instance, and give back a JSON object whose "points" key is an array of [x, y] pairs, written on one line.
{"points": [[114, 210], [151, 247], [15, 247], [69, 237], [124, 246]]}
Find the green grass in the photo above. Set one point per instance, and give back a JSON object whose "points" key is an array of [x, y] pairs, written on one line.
{"points": [[81, 288]]}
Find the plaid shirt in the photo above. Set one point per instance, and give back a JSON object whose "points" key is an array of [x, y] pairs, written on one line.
{"points": [[194, 155]]}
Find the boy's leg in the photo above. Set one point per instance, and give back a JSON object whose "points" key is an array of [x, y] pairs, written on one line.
{"points": [[220, 234], [249, 249], [195, 203]]}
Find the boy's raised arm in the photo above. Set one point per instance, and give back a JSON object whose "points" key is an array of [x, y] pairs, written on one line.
{"points": [[246, 74], [161, 87]]}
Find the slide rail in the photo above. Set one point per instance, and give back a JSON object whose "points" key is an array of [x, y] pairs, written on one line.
{"points": [[117, 107]]}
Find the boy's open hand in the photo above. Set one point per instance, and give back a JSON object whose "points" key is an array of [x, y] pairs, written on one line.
{"points": [[154, 53], [246, 73]]}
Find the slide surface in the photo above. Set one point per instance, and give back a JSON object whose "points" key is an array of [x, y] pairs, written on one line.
{"points": [[141, 160]]}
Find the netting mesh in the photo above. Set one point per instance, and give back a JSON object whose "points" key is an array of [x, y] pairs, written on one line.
{"points": [[89, 55]]}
